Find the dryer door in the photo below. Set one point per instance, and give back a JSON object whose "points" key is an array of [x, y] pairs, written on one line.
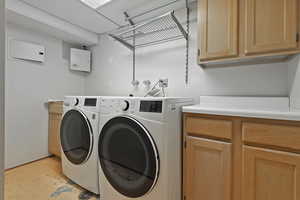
{"points": [[128, 157], [76, 137]]}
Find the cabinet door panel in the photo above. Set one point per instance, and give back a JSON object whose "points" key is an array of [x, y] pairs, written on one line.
{"points": [[208, 169], [218, 28], [209, 127], [270, 175], [271, 25]]}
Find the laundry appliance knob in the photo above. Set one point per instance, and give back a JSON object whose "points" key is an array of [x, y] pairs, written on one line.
{"points": [[125, 105], [76, 102]]}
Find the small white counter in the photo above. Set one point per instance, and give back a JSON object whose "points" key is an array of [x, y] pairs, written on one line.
{"points": [[253, 107]]}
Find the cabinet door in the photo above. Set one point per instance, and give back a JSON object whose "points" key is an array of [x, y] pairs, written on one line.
{"points": [[270, 175], [208, 170], [270, 25], [54, 133], [218, 29]]}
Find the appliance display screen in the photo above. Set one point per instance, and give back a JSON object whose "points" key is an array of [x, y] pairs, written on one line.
{"points": [[90, 102], [151, 106]]}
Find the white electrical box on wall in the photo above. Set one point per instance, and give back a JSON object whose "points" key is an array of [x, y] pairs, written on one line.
{"points": [[80, 60], [27, 51]]}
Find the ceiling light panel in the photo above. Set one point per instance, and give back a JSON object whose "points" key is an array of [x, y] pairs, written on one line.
{"points": [[95, 3]]}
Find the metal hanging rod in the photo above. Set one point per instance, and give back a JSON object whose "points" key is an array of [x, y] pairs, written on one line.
{"points": [[154, 31], [140, 25], [160, 41], [130, 18], [158, 30]]}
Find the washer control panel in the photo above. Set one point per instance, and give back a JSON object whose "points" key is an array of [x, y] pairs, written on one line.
{"points": [[71, 102], [91, 102], [85, 103], [110, 106]]}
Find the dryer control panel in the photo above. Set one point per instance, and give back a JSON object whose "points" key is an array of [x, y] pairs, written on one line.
{"points": [[92, 102], [87, 103], [117, 105], [151, 106]]}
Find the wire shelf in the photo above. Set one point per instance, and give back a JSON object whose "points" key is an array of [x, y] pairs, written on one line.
{"points": [[158, 30]]}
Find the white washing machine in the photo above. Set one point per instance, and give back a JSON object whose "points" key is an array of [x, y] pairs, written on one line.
{"points": [[79, 135], [140, 148]]}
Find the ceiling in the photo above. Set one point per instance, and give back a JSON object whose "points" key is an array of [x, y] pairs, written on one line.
{"points": [[24, 15], [106, 18], [115, 10], [66, 34], [75, 12]]}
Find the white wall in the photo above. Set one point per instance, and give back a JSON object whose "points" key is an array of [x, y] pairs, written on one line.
{"points": [[294, 82], [112, 72], [28, 87], [2, 80]]}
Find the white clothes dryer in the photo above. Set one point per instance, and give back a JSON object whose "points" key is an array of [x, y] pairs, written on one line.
{"points": [[140, 148]]}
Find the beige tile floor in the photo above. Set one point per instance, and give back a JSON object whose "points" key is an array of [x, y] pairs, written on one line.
{"points": [[42, 180]]}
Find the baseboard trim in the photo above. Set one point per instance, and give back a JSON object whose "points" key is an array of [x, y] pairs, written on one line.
{"points": [[27, 163]]}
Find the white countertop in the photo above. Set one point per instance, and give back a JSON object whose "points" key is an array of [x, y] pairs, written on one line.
{"points": [[294, 116], [267, 108]]}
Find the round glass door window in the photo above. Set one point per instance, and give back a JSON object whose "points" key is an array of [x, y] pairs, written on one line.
{"points": [[76, 137], [128, 157]]}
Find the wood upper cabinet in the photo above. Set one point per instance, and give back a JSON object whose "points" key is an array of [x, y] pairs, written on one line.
{"points": [[218, 28], [247, 31], [208, 169], [270, 175], [270, 25]]}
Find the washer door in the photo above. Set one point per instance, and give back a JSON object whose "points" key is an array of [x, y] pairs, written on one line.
{"points": [[128, 157], [76, 137]]}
